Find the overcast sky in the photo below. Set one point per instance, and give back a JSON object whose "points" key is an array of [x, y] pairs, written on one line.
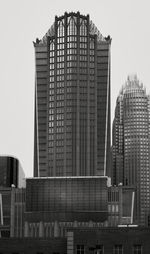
{"points": [[22, 21]]}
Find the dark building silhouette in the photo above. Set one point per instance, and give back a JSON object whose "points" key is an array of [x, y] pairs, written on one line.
{"points": [[72, 99], [12, 197], [131, 144], [11, 172]]}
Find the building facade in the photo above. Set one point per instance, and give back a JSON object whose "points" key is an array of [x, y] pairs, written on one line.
{"points": [[12, 208], [18, 205], [72, 99], [125, 240], [68, 198], [55, 203], [84, 241], [131, 144], [121, 206]]}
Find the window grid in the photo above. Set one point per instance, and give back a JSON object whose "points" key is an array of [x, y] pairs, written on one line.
{"points": [[80, 249], [118, 249], [137, 249]]}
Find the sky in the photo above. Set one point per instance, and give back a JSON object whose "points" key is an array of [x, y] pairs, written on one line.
{"points": [[22, 21]]}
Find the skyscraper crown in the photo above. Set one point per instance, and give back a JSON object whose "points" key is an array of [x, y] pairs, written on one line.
{"points": [[132, 85], [78, 20]]}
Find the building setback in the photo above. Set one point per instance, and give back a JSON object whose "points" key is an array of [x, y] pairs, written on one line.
{"points": [[72, 99], [131, 144]]}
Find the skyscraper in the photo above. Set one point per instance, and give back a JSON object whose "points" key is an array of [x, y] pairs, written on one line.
{"points": [[131, 144], [72, 99]]}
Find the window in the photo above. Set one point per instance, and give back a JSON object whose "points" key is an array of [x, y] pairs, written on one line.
{"points": [[5, 234], [80, 249], [99, 249], [118, 249], [137, 249]]}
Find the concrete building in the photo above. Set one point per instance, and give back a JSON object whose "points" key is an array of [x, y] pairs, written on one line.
{"points": [[131, 144], [72, 99]]}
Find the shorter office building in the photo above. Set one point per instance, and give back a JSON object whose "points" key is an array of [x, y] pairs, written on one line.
{"points": [[11, 172], [54, 203], [50, 206], [67, 198]]}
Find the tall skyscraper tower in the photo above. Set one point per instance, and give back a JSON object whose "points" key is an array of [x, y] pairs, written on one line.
{"points": [[131, 143], [72, 99]]}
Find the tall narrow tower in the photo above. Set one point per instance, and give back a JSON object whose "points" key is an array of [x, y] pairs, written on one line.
{"points": [[72, 99], [131, 144]]}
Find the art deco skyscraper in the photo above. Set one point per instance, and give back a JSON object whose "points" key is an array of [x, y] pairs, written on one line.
{"points": [[131, 143], [72, 99]]}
